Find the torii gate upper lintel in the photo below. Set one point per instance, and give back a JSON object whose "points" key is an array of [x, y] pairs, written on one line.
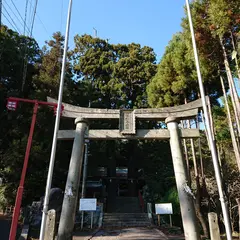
{"points": [[127, 130], [127, 121], [181, 112]]}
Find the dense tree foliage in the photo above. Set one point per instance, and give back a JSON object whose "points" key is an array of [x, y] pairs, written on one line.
{"points": [[116, 78], [117, 73], [216, 25]]}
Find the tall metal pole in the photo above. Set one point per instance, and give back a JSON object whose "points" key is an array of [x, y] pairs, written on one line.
{"points": [[95, 32], [18, 200], [209, 132], [57, 121], [0, 13]]}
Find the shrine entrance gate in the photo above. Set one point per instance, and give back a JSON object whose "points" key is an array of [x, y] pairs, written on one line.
{"points": [[127, 130]]}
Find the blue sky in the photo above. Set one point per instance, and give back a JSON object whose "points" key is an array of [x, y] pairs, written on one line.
{"points": [[148, 22]]}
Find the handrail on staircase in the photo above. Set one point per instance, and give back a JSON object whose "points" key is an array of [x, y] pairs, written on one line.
{"points": [[141, 201]]}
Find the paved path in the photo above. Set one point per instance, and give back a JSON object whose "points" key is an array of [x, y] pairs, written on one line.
{"points": [[127, 234]]}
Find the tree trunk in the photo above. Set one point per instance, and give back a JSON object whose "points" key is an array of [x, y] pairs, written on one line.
{"points": [[200, 153], [198, 188], [204, 192], [233, 91], [230, 211], [234, 141], [198, 193], [186, 157], [198, 210], [211, 118], [213, 133], [236, 59], [235, 111], [219, 158], [205, 130], [238, 202]]}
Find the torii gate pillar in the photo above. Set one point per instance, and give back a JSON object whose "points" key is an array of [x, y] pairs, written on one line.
{"points": [[189, 219], [70, 200]]}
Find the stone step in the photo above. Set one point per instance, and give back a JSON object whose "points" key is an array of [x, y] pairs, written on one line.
{"points": [[124, 198], [130, 199], [146, 222], [126, 220], [124, 217], [125, 214], [127, 204], [127, 200], [130, 210], [123, 224]]}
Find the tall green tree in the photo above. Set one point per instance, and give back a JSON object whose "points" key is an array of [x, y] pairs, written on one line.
{"points": [[49, 70], [42, 80], [176, 79], [221, 17], [117, 74], [173, 81]]}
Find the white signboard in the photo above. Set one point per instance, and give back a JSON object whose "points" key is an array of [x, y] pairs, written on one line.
{"points": [[88, 204], [164, 208]]}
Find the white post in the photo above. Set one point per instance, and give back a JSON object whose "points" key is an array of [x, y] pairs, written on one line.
{"points": [[82, 218], [149, 210], [209, 132], [51, 225], [101, 216], [170, 219], [213, 226], [91, 220], [190, 224], [70, 200], [56, 128]]}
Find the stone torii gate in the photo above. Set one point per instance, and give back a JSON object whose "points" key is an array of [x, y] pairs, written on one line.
{"points": [[127, 130]]}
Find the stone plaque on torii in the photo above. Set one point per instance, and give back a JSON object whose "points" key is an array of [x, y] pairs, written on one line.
{"points": [[127, 130]]}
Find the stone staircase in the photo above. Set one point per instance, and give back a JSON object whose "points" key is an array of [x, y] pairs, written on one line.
{"points": [[128, 214], [125, 220], [127, 205]]}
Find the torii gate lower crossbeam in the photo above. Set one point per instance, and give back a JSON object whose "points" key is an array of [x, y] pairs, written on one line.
{"points": [[157, 134], [127, 131]]}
